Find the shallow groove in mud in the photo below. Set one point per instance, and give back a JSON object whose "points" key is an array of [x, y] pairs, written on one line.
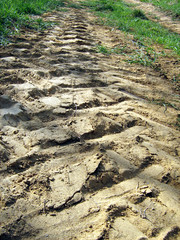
{"points": [[24, 163], [81, 148]]}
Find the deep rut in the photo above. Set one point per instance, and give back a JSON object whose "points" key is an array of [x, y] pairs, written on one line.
{"points": [[83, 154]]}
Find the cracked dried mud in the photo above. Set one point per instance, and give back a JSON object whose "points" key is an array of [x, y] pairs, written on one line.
{"points": [[84, 154]]}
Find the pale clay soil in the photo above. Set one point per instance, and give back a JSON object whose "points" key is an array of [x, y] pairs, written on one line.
{"points": [[84, 153]]}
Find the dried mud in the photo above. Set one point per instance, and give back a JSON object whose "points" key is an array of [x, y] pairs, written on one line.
{"points": [[84, 154]]}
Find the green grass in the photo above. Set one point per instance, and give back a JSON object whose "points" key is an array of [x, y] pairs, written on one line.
{"points": [[145, 56], [120, 15], [172, 6], [74, 5], [107, 50], [163, 102], [16, 13], [177, 124]]}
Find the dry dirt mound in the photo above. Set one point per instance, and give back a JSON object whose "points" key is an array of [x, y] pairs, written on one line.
{"points": [[83, 154]]}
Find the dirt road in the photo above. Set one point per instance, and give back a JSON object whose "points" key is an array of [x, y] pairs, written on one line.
{"points": [[156, 15], [84, 154]]}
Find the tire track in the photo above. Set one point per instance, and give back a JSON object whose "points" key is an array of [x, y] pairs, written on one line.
{"points": [[157, 15], [84, 154]]}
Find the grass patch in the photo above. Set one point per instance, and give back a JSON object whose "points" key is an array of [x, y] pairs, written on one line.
{"points": [[103, 49], [163, 102], [107, 50], [171, 6], [16, 13], [120, 15], [177, 124], [139, 14], [145, 56]]}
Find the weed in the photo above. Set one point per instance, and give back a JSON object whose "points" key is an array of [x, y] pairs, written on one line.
{"points": [[177, 124], [107, 50], [163, 102], [176, 79], [139, 14], [144, 56], [39, 24], [102, 49]]}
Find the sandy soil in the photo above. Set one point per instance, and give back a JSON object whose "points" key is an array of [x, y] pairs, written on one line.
{"points": [[84, 153]]}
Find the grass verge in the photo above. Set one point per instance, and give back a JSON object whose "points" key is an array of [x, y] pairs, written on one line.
{"points": [[171, 6], [118, 14], [16, 13]]}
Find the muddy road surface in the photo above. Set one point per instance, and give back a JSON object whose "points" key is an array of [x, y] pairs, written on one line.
{"points": [[84, 153]]}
